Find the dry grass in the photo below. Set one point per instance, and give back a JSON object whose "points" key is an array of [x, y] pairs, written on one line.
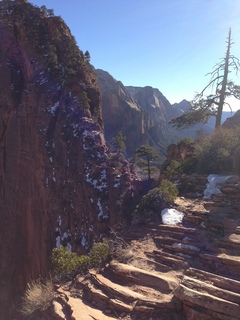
{"points": [[38, 297]]}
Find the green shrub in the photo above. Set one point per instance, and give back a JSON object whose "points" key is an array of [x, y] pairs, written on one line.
{"points": [[37, 298], [172, 170], [216, 152], [169, 192], [157, 198], [99, 253], [65, 262]]}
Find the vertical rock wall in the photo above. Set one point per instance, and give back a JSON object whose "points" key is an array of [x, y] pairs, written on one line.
{"points": [[54, 175]]}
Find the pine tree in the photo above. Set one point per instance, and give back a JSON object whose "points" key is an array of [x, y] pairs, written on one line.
{"points": [[203, 106], [146, 154]]}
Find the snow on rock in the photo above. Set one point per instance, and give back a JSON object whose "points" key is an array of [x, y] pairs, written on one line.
{"points": [[211, 188], [186, 246], [53, 109], [171, 216]]}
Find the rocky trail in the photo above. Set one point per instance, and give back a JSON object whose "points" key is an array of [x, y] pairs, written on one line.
{"points": [[171, 272]]}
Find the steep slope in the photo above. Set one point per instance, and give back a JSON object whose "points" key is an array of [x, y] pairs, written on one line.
{"points": [[55, 184], [121, 112], [232, 121]]}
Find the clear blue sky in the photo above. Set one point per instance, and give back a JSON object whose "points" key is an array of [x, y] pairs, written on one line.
{"points": [[166, 44]]}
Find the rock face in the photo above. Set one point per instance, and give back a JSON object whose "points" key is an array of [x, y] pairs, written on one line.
{"points": [[121, 112], [55, 184], [232, 122]]}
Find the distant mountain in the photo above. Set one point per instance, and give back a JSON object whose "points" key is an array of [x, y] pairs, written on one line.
{"points": [[142, 114]]}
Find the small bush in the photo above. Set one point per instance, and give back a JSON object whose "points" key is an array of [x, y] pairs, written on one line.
{"points": [[168, 191], [155, 200], [172, 170], [66, 262], [99, 253], [37, 298], [216, 152]]}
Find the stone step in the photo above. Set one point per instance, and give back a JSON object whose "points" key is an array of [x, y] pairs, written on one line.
{"points": [[149, 260], [95, 295], [204, 286], [217, 280], [171, 228], [166, 284], [222, 263], [127, 295], [162, 267], [231, 241], [186, 240], [218, 307], [187, 251], [174, 234], [171, 260], [222, 258]]}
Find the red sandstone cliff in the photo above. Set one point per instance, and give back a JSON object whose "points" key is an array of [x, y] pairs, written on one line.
{"points": [[55, 184]]}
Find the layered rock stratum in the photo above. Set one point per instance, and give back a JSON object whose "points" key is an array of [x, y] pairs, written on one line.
{"points": [[56, 186]]}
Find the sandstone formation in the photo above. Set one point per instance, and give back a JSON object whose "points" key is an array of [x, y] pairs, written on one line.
{"points": [[121, 112], [55, 184], [233, 121]]}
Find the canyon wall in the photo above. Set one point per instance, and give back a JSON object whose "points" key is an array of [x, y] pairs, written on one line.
{"points": [[56, 184]]}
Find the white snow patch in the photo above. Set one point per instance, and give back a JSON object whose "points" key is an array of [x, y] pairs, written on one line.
{"points": [[171, 216], [58, 242], [100, 209], [186, 246], [84, 240], [211, 188], [117, 183], [59, 221], [53, 109], [202, 224]]}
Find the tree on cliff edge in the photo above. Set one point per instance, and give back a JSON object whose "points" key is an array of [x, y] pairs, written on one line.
{"points": [[203, 106], [145, 155]]}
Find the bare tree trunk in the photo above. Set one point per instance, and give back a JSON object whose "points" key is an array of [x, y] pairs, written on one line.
{"points": [[224, 83]]}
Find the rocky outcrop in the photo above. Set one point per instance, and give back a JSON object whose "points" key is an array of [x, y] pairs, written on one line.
{"points": [[232, 122], [177, 152], [56, 186]]}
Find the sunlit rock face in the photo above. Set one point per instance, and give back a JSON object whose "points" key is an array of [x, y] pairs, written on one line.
{"points": [[141, 114], [233, 121], [56, 186]]}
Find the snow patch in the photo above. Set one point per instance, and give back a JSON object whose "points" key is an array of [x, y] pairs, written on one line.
{"points": [[186, 246], [53, 109], [58, 242], [211, 188], [171, 216]]}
